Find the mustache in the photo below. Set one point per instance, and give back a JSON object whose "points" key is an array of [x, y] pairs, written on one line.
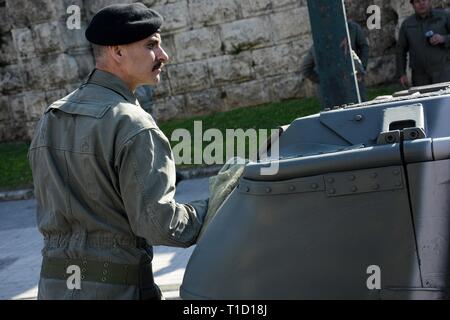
{"points": [[158, 65]]}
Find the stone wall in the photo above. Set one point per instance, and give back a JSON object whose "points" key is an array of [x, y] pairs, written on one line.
{"points": [[224, 54]]}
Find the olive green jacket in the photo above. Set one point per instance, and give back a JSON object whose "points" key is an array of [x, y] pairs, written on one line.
{"points": [[359, 42], [424, 57], [104, 178]]}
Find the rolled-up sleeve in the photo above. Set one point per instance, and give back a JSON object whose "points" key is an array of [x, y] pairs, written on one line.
{"points": [[146, 173]]}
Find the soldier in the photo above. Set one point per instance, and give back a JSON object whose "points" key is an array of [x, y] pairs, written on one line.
{"points": [[426, 36], [360, 55], [104, 173]]}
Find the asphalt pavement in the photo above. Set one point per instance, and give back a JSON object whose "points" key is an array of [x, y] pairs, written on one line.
{"points": [[21, 244]]}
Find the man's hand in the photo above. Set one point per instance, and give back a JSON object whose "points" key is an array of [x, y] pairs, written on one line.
{"points": [[437, 39], [404, 81]]}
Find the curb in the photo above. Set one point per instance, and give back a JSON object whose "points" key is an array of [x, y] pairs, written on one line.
{"points": [[27, 194]]}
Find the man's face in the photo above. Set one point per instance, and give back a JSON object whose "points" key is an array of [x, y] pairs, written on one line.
{"points": [[422, 7], [144, 60]]}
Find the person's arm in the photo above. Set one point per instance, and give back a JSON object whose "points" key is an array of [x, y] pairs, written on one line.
{"points": [[362, 46], [308, 68], [402, 50], [447, 26], [147, 184]]}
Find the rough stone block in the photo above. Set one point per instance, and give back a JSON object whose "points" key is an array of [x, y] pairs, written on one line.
{"points": [[169, 108], [85, 64], [91, 7], [302, 45], [275, 60], [258, 7], [207, 12], [72, 39], [285, 87], [4, 109], [384, 40], [35, 105], [380, 70], [17, 106], [5, 19], [175, 16], [231, 68], [162, 89], [54, 95], [51, 70], [152, 3], [8, 54], [47, 37], [245, 94], [290, 24], [11, 79], [197, 44], [246, 34], [188, 77], [204, 102], [27, 13], [23, 43]]}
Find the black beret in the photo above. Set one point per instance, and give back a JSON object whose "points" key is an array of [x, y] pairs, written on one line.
{"points": [[122, 24]]}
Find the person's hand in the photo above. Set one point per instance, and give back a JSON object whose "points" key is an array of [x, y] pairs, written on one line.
{"points": [[437, 39], [404, 81]]}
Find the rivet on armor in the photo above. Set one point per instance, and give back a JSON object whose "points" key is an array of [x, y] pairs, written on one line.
{"points": [[268, 190], [330, 180]]}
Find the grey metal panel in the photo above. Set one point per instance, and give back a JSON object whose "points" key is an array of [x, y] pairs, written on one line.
{"points": [[303, 245], [359, 125], [441, 148], [418, 150], [429, 184], [378, 156], [341, 127], [288, 237]]}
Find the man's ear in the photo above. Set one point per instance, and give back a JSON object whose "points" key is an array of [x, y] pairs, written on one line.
{"points": [[116, 52]]}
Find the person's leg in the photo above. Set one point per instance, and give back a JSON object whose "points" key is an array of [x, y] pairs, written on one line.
{"points": [[421, 79], [362, 90], [442, 76]]}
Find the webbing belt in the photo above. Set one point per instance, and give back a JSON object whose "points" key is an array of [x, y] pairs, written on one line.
{"points": [[96, 271]]}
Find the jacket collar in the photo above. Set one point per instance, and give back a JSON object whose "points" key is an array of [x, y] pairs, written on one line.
{"points": [[112, 82], [429, 15]]}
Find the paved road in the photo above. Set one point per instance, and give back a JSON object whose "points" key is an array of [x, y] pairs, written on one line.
{"points": [[20, 245]]}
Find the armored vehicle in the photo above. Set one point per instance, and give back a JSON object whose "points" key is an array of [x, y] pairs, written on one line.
{"points": [[359, 209]]}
